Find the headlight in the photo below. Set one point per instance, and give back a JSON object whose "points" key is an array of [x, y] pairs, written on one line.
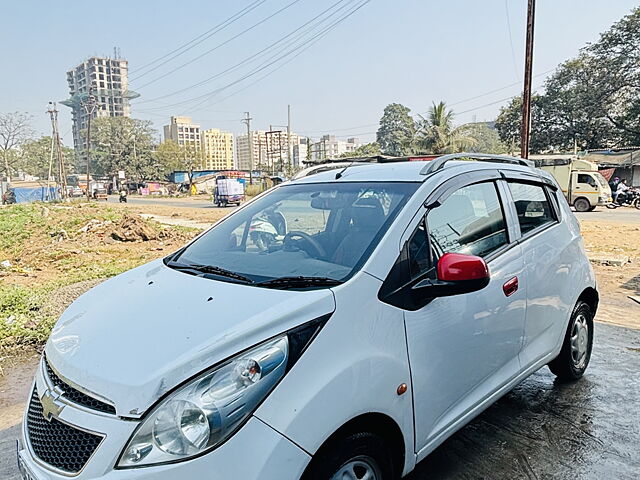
{"points": [[204, 413]]}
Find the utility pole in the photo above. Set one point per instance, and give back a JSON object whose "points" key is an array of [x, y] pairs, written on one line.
{"points": [[89, 104], [289, 143], [55, 138], [247, 121], [528, 68]]}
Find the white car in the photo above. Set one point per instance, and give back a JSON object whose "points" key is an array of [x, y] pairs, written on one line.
{"points": [[340, 326]]}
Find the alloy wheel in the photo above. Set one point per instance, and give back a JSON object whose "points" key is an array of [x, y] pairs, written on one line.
{"points": [[580, 341], [359, 468]]}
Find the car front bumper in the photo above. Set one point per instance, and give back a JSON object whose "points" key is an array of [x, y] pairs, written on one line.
{"points": [[256, 451]]}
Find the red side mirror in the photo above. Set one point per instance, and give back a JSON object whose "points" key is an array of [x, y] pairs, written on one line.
{"points": [[457, 267]]}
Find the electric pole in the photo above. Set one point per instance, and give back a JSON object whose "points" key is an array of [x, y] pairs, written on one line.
{"points": [[89, 104], [55, 140], [528, 68], [247, 121]]}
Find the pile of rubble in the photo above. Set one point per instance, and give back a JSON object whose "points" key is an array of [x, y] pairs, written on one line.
{"points": [[130, 228]]}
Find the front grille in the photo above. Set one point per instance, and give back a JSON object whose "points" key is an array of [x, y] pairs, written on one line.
{"points": [[75, 396], [56, 443]]}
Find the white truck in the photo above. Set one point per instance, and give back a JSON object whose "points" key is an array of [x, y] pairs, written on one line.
{"points": [[583, 186]]}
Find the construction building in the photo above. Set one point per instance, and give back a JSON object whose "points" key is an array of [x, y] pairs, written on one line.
{"points": [[217, 149], [107, 79]]}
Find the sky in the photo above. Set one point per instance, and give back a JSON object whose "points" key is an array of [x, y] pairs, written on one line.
{"points": [[468, 53]]}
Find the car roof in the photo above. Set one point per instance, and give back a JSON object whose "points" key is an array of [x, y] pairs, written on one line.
{"points": [[407, 171]]}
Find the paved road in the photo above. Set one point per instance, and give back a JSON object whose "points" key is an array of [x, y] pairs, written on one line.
{"points": [[540, 430], [603, 214], [167, 202]]}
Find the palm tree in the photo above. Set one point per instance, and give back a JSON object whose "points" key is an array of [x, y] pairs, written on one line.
{"points": [[436, 133]]}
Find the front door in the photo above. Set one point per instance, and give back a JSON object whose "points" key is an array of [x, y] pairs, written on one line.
{"points": [[462, 348]]}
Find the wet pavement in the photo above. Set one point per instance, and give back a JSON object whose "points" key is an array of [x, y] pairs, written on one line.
{"points": [[589, 429]]}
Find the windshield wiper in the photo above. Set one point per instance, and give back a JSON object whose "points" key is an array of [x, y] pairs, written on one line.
{"points": [[299, 282], [212, 269]]}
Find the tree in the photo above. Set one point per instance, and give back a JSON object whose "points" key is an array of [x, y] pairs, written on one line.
{"points": [[15, 130], [436, 133], [123, 143], [509, 121], [35, 155], [591, 101], [397, 130], [171, 157], [614, 71], [367, 150], [486, 139]]}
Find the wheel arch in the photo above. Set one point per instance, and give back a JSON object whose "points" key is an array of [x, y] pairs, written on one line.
{"points": [[591, 297], [376, 423]]}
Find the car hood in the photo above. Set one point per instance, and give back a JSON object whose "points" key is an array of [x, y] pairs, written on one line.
{"points": [[138, 335]]}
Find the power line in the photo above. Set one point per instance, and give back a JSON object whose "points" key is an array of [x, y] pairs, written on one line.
{"points": [[513, 51], [199, 39], [221, 44], [251, 57], [306, 45]]}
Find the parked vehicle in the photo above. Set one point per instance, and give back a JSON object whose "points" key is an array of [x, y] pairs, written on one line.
{"points": [[228, 191], [583, 186], [386, 307], [629, 198]]}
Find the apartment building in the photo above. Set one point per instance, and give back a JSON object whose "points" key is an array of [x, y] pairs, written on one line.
{"points": [[268, 149], [184, 132], [217, 149], [108, 80], [330, 147]]}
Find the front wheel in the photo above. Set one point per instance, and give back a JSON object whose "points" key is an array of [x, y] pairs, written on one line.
{"points": [[582, 205], [576, 347], [636, 203], [361, 456]]}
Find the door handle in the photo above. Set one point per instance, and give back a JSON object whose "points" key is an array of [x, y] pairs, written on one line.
{"points": [[510, 287]]}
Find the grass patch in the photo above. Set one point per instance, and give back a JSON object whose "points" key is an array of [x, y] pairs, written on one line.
{"points": [[17, 224], [21, 321]]}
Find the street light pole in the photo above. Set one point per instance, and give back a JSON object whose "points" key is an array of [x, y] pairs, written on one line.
{"points": [[525, 131]]}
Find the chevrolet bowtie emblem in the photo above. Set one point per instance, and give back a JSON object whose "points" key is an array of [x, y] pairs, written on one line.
{"points": [[51, 404]]}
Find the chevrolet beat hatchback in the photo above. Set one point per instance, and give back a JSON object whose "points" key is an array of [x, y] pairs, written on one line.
{"points": [[340, 326]]}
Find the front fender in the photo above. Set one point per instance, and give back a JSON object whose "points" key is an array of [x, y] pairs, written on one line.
{"points": [[353, 367]]}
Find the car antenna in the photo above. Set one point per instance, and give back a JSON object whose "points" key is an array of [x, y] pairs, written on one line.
{"points": [[339, 174]]}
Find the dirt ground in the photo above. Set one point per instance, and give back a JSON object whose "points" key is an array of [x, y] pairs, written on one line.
{"points": [[619, 243]]}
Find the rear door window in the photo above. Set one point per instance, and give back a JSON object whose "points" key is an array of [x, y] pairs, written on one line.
{"points": [[532, 206]]}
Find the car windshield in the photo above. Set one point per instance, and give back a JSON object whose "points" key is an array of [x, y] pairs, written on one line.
{"points": [[306, 236]]}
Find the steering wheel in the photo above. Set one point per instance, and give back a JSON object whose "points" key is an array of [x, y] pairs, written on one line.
{"points": [[319, 249]]}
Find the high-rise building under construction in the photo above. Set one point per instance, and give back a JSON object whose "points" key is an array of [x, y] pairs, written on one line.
{"points": [[108, 80]]}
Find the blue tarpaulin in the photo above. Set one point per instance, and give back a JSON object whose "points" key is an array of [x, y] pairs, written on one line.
{"points": [[35, 194]]}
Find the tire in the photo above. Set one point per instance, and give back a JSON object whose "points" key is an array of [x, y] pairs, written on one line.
{"points": [[636, 203], [582, 205], [359, 453], [574, 357]]}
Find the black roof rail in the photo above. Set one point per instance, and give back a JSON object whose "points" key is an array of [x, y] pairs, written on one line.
{"points": [[439, 163]]}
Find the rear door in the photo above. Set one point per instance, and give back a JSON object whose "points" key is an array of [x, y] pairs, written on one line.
{"points": [[462, 348], [548, 258]]}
